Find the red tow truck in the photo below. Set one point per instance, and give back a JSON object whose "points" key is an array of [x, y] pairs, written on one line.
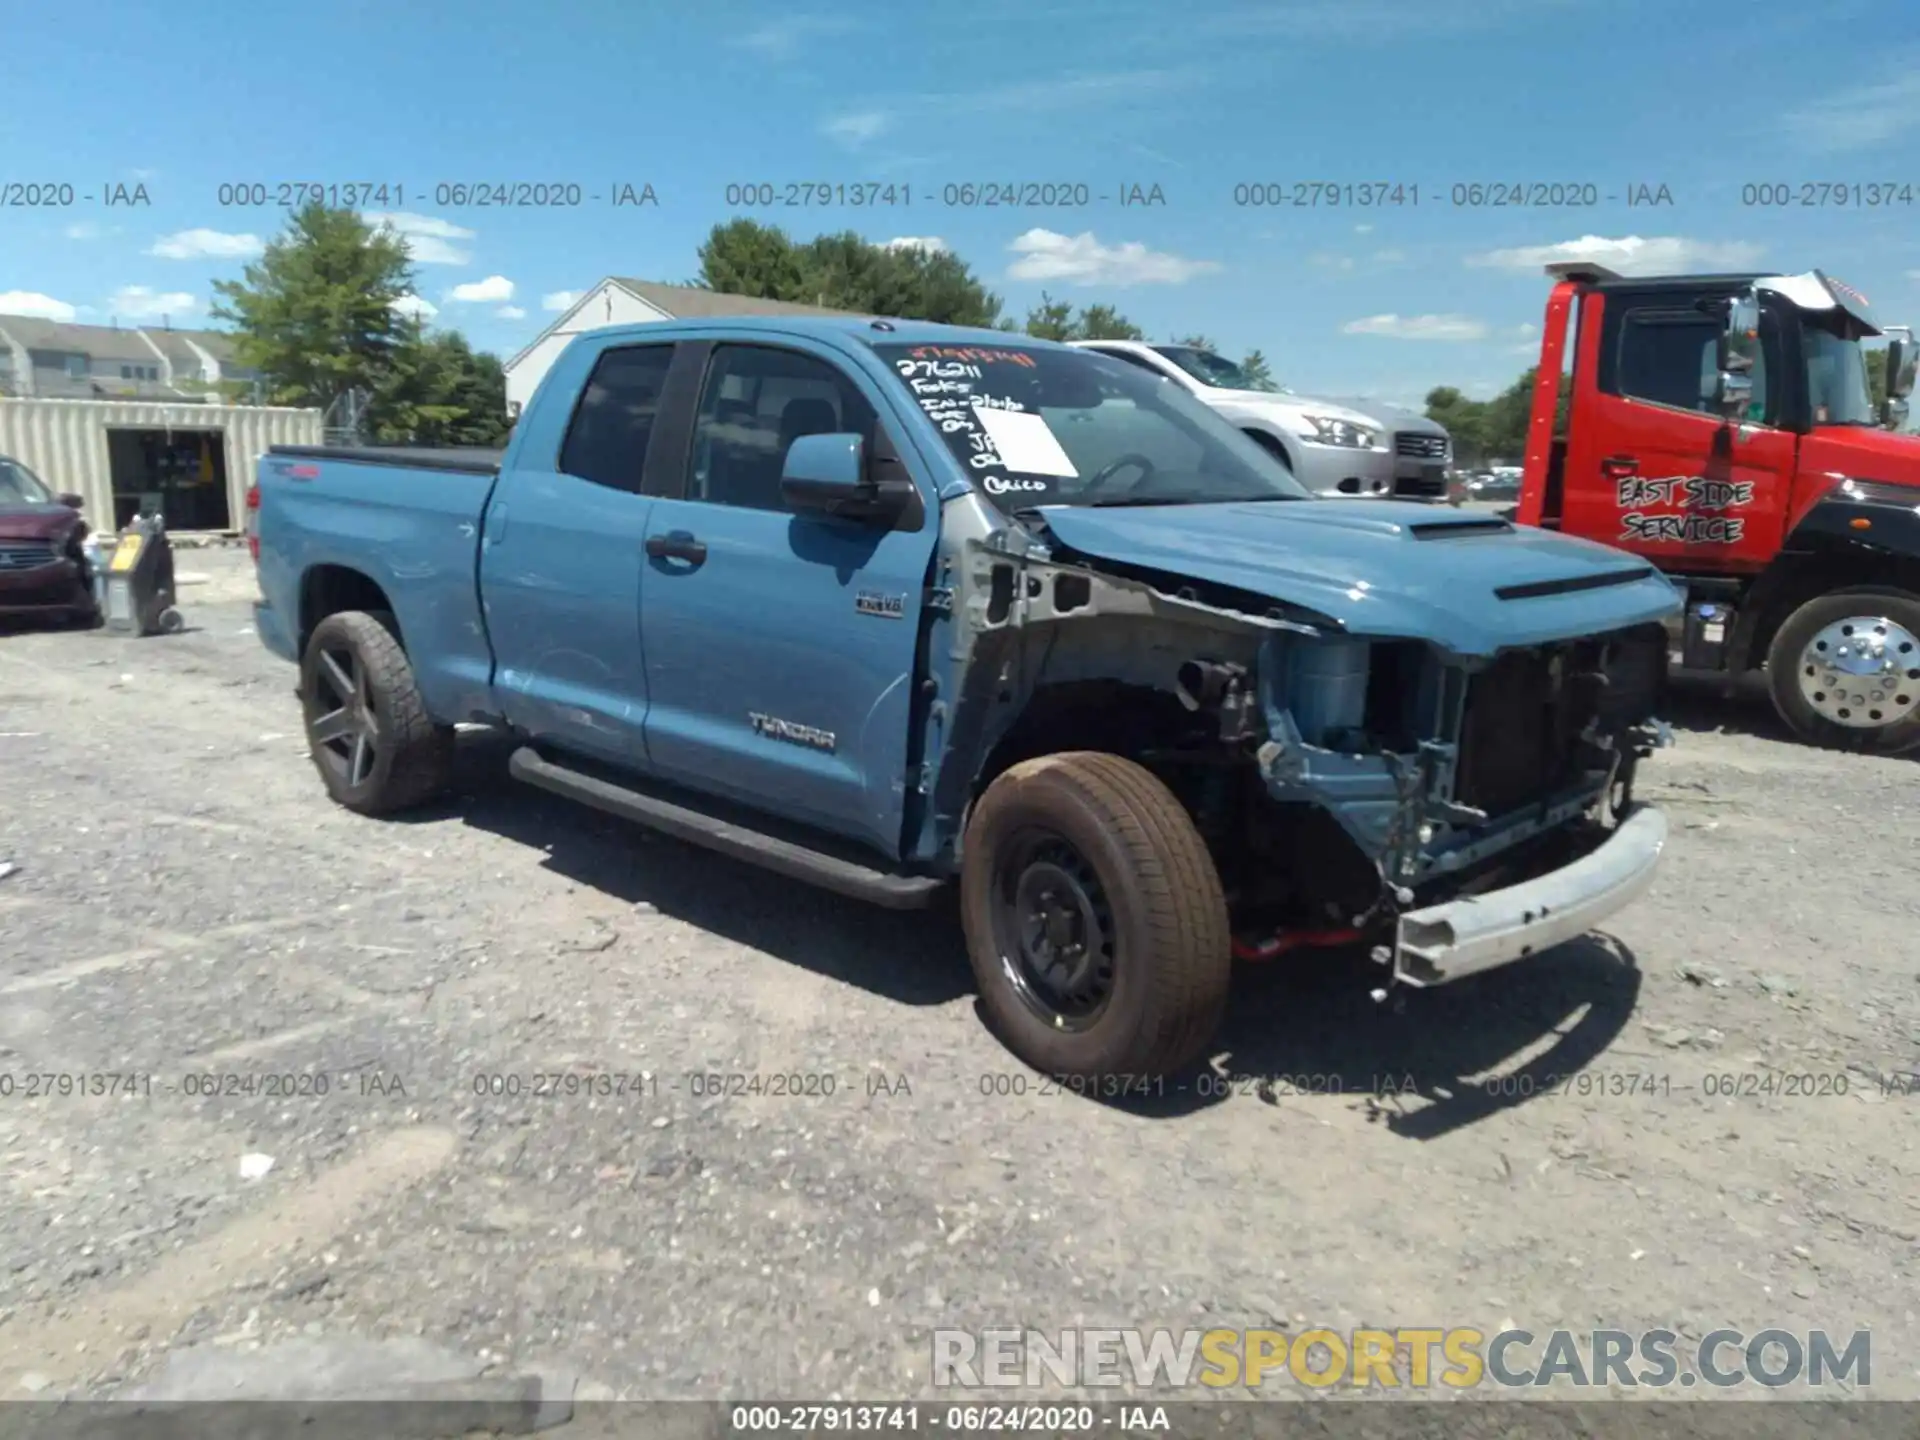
{"points": [[1721, 426]]}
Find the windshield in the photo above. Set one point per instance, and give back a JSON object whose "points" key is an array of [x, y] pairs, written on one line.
{"points": [[20, 486], [1211, 369], [1072, 427], [1837, 378]]}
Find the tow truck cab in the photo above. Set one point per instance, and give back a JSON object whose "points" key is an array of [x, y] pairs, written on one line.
{"points": [[1722, 426]]}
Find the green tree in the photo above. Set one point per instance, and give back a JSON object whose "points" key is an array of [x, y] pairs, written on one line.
{"points": [[318, 315], [315, 314], [439, 392], [1877, 377], [1055, 319], [843, 271], [1259, 377], [1198, 342]]}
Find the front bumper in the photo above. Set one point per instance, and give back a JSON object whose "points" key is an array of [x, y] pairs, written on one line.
{"points": [[1342, 470], [1443, 943], [61, 585]]}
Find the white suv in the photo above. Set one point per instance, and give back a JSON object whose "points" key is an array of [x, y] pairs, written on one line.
{"points": [[1331, 448]]}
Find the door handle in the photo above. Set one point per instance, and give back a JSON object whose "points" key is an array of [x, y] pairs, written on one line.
{"points": [[677, 545], [496, 525], [1614, 466]]}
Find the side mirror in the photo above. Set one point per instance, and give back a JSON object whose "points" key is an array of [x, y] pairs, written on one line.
{"points": [[1902, 361], [71, 500], [1738, 345], [827, 474]]}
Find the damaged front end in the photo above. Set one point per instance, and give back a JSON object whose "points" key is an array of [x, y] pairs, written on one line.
{"points": [[1452, 812]]}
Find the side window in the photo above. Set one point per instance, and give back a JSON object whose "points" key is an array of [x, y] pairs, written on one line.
{"points": [[1666, 356], [1134, 360], [756, 402], [607, 441]]}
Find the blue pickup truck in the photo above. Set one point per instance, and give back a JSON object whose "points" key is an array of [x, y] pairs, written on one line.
{"points": [[887, 606]]}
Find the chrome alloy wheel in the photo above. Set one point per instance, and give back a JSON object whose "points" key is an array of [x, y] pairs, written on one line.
{"points": [[1862, 672]]}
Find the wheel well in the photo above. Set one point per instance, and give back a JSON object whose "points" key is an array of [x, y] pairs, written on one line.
{"points": [[1271, 445], [1129, 720], [1793, 584], [329, 589]]}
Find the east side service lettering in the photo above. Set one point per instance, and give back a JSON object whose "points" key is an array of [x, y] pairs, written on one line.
{"points": [[1683, 529], [1693, 491]]}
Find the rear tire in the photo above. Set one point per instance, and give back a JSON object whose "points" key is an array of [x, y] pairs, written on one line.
{"points": [[1826, 704], [1094, 919], [368, 731]]}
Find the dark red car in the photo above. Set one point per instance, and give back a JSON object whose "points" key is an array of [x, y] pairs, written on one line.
{"points": [[43, 572]]}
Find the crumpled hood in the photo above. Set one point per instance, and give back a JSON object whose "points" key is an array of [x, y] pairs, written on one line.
{"points": [[37, 522], [1471, 584]]}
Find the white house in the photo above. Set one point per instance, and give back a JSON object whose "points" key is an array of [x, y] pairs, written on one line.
{"points": [[616, 301]]}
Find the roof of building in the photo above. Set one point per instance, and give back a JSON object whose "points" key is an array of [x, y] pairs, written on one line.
{"points": [[690, 302], [117, 342], [103, 342]]}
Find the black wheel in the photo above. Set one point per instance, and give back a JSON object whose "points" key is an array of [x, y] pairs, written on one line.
{"points": [[375, 746], [1844, 671], [1094, 919]]}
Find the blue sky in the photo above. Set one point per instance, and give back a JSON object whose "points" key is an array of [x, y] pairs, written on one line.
{"points": [[1197, 99]]}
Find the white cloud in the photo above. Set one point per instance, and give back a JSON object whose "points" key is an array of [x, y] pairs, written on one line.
{"points": [[1389, 257], [561, 299], [1083, 260], [783, 37], [85, 230], [1628, 255], [511, 312], [494, 287], [1419, 327], [33, 303], [415, 308], [1861, 117], [1363, 229], [1527, 331], [1327, 261], [429, 238], [137, 302], [932, 244], [206, 245], [1913, 274], [856, 129]]}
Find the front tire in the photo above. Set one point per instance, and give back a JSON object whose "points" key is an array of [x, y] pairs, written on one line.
{"points": [[1844, 671], [1094, 918], [368, 731]]}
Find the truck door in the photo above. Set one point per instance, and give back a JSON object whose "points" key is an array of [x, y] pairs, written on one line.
{"points": [[1651, 465], [560, 556], [780, 646]]}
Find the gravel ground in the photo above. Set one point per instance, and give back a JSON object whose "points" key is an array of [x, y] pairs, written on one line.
{"points": [[188, 905]]}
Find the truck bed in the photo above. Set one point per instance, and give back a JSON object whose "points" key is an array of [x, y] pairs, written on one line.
{"points": [[408, 521]]}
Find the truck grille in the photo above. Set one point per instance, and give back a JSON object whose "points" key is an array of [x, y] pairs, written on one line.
{"points": [[26, 554], [1418, 446]]}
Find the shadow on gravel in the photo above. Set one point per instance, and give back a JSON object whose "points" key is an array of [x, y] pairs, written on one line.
{"points": [[1701, 704], [1311, 1028], [1306, 1026], [912, 958]]}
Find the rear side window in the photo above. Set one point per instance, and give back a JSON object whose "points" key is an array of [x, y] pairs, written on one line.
{"points": [[613, 424]]}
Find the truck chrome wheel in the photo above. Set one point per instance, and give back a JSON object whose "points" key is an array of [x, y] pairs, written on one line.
{"points": [[1054, 931], [340, 717], [1862, 672]]}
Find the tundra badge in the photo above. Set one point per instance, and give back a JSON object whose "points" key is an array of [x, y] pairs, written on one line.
{"points": [[886, 607], [776, 729]]}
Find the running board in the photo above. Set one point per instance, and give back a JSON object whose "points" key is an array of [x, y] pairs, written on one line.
{"points": [[830, 872]]}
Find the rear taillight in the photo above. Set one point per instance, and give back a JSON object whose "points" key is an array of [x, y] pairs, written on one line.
{"points": [[253, 522]]}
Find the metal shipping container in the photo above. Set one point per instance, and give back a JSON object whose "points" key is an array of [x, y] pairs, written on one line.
{"points": [[87, 445]]}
